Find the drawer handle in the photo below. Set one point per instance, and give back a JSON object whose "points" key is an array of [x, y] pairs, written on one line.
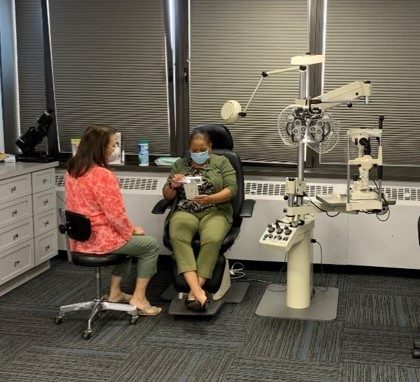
{"points": [[47, 248], [46, 223], [17, 263], [13, 189], [45, 202], [15, 236], [14, 213], [44, 181]]}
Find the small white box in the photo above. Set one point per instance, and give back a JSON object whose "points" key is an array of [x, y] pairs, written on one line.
{"points": [[191, 190]]}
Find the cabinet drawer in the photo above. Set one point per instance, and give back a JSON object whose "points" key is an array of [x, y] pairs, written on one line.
{"points": [[46, 246], [17, 261], [15, 210], [44, 201], [14, 188], [45, 222], [15, 233], [43, 180]]}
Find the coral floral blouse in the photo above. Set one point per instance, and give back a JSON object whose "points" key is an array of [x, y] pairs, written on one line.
{"points": [[97, 195]]}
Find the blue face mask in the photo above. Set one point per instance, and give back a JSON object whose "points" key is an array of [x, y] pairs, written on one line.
{"points": [[201, 157]]}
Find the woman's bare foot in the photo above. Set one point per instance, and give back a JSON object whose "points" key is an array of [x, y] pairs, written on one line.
{"points": [[201, 297], [191, 296]]}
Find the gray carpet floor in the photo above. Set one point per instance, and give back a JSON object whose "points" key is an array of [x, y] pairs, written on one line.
{"points": [[371, 339]]}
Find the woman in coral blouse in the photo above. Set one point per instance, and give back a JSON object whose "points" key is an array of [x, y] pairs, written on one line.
{"points": [[93, 190]]}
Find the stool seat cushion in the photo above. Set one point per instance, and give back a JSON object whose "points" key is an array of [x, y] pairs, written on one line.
{"points": [[94, 260]]}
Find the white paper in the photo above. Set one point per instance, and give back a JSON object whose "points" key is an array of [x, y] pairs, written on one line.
{"points": [[191, 190]]}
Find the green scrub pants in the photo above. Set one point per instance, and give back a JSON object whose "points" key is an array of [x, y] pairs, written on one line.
{"points": [[146, 249], [212, 226]]}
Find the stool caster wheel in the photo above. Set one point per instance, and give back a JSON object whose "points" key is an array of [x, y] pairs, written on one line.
{"points": [[58, 320], [86, 335], [133, 320]]}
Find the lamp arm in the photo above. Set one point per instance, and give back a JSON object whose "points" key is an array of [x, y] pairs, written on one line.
{"points": [[265, 74], [344, 94]]}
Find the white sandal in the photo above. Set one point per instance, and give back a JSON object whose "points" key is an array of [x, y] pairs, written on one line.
{"points": [[149, 310]]}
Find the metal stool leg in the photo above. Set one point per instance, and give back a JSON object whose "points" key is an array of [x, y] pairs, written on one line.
{"points": [[96, 309]]}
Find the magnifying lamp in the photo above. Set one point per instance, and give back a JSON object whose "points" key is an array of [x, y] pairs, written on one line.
{"points": [[232, 109]]}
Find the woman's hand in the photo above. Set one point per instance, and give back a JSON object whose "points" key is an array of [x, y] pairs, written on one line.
{"points": [[204, 199], [139, 231], [177, 180]]}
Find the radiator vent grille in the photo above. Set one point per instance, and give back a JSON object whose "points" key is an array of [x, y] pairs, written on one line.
{"points": [[264, 188], [125, 182], [402, 193], [59, 180], [314, 189], [261, 188], [135, 183], [278, 188]]}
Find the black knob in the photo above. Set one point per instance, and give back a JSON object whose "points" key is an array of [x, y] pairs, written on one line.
{"points": [[270, 228], [287, 231], [279, 230], [285, 197]]}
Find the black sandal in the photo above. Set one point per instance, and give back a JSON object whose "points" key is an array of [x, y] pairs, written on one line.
{"points": [[197, 307], [188, 302], [193, 305]]}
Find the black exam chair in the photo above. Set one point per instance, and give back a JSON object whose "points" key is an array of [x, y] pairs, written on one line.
{"points": [[77, 227], [219, 286], [416, 346]]}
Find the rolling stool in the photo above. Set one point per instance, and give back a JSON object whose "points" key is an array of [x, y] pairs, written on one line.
{"points": [[78, 227]]}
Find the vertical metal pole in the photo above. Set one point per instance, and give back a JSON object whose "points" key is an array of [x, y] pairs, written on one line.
{"points": [[9, 75], [317, 20], [182, 117], [303, 93], [170, 73], [348, 167], [98, 282], [53, 146]]}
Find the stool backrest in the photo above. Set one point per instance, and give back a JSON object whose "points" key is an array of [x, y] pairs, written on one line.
{"points": [[77, 226]]}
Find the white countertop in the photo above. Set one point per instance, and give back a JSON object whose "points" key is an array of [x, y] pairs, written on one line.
{"points": [[8, 170]]}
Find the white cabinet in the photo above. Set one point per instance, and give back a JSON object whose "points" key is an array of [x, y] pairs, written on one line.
{"points": [[46, 246], [28, 221], [16, 187], [45, 215], [16, 261]]}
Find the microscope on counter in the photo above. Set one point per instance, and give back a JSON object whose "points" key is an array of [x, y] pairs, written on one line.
{"points": [[306, 124]]}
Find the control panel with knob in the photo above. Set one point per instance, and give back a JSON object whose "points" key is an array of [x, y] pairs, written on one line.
{"points": [[284, 235]]}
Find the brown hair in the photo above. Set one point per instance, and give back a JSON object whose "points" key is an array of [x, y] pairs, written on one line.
{"points": [[91, 150], [198, 133]]}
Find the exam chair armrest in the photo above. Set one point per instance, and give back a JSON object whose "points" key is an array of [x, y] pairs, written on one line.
{"points": [[161, 206], [247, 208]]}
